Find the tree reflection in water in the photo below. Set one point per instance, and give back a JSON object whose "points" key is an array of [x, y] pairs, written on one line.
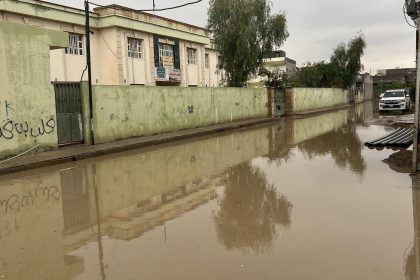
{"points": [[343, 145], [250, 211]]}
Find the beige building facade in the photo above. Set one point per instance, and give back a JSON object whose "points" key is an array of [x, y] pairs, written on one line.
{"points": [[127, 47]]}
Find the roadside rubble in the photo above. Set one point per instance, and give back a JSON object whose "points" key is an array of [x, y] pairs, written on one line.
{"points": [[394, 120], [400, 161]]}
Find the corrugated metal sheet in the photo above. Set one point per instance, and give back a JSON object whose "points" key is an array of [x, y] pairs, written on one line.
{"points": [[401, 137]]}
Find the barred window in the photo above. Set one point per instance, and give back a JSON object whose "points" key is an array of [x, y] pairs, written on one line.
{"points": [[166, 50], [134, 48], [192, 56], [166, 55], [206, 60], [75, 44]]}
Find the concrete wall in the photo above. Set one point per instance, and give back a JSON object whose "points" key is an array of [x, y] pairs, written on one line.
{"points": [[27, 102], [307, 99], [301, 130], [128, 111], [365, 91]]}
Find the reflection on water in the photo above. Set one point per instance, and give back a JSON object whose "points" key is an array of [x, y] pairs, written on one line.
{"points": [[331, 134], [331, 143], [202, 209], [250, 210], [410, 265], [365, 112], [412, 255]]}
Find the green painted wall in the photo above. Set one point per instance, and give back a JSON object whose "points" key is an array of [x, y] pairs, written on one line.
{"points": [[308, 128], [128, 111], [305, 99], [27, 103]]}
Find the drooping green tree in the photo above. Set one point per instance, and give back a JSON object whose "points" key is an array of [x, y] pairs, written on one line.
{"points": [[346, 61], [243, 31], [341, 71]]}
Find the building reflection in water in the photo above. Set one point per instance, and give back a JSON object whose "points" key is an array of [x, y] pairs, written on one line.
{"points": [[250, 210], [54, 213], [45, 217], [365, 112], [332, 134]]}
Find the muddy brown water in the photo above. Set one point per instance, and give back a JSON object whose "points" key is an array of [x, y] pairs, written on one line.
{"points": [[302, 199]]}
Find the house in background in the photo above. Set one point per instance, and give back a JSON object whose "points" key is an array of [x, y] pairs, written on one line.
{"points": [[127, 47], [400, 76], [275, 61]]}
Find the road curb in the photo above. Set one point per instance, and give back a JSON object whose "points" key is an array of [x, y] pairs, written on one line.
{"points": [[161, 139]]}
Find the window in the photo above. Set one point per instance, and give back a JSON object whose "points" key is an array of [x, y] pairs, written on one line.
{"points": [[75, 44], [192, 54], [134, 48], [219, 61], [166, 55], [206, 60]]}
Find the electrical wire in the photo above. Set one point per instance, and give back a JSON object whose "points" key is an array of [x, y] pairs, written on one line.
{"points": [[21, 154], [405, 15], [83, 73], [109, 48], [149, 10]]}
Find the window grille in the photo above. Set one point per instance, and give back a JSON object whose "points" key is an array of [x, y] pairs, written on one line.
{"points": [[192, 54], [165, 50], [134, 48], [75, 44]]}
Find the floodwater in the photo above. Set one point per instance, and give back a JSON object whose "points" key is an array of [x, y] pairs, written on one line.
{"points": [[301, 199]]}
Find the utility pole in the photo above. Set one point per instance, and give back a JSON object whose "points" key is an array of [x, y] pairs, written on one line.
{"points": [[416, 114], [89, 69], [412, 9]]}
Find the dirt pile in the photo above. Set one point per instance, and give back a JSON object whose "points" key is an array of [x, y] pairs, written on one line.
{"points": [[400, 161]]}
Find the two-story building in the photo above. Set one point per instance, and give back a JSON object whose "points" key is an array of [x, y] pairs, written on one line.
{"points": [[128, 47]]}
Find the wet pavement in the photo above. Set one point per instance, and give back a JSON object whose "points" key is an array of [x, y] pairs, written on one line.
{"points": [[301, 199]]}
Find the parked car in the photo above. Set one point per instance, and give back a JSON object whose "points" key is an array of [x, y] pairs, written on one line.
{"points": [[395, 100]]}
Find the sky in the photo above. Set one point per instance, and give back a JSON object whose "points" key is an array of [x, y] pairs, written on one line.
{"points": [[316, 27]]}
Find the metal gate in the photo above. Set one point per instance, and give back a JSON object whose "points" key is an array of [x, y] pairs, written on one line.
{"points": [[279, 103], [69, 113]]}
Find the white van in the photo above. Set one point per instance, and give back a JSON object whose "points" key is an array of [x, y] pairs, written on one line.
{"points": [[395, 100]]}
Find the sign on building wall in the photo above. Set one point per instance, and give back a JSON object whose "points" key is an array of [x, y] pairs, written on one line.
{"points": [[175, 75], [168, 74], [161, 73], [167, 61]]}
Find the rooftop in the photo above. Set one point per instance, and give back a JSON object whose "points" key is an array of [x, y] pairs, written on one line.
{"points": [[115, 9]]}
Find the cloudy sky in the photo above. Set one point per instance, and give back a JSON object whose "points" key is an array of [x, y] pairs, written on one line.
{"points": [[317, 26]]}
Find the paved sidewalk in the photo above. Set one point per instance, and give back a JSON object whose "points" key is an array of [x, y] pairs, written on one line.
{"points": [[79, 152]]}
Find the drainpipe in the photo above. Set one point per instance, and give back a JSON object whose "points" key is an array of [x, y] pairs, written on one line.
{"points": [[89, 69]]}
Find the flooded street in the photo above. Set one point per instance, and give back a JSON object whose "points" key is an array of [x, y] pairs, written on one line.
{"points": [[301, 199]]}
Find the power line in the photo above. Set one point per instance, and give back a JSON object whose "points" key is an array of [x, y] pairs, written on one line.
{"points": [[148, 10]]}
